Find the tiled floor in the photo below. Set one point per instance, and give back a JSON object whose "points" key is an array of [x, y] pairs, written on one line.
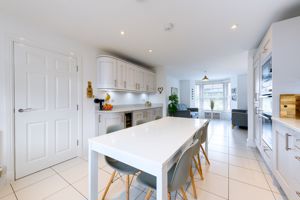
{"points": [[236, 173]]}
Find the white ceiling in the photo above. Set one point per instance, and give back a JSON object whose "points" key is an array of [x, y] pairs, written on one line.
{"points": [[201, 39]]}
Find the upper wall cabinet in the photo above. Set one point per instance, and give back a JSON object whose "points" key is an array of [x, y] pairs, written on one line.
{"points": [[116, 74]]}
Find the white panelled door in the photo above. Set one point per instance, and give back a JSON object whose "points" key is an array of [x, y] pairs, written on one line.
{"points": [[46, 113]]}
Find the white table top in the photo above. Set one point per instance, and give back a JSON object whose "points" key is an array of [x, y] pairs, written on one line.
{"points": [[152, 143]]}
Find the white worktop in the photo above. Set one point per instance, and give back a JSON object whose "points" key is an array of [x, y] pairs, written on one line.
{"points": [[289, 122], [129, 108]]}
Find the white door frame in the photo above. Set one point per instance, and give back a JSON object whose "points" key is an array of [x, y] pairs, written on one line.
{"points": [[10, 99]]}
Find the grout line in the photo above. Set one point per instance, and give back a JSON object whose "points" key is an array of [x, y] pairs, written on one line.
{"points": [[14, 191], [69, 184]]}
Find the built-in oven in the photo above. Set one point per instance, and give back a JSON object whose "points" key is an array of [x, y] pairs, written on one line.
{"points": [[266, 87]]}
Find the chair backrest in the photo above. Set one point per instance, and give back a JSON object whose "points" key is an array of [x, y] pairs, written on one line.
{"points": [[113, 128], [204, 133], [138, 122], [182, 168]]}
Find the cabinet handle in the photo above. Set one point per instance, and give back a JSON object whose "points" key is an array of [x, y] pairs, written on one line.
{"points": [[287, 142], [297, 158]]}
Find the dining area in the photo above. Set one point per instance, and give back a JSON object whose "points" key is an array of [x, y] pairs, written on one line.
{"points": [[162, 155]]}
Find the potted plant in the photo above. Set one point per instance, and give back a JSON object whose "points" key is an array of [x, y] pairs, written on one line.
{"points": [[173, 102]]}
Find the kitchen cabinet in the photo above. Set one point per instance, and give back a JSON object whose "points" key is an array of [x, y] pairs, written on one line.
{"points": [[137, 115], [106, 73], [108, 119], [117, 74], [286, 165]]}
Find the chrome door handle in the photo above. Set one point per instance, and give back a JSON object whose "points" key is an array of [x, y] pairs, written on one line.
{"points": [[287, 148], [25, 109]]}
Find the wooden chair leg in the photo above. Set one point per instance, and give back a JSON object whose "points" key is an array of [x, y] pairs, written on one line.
{"points": [[205, 155], [169, 196], [193, 183], [200, 167], [127, 186], [148, 195], [108, 185], [183, 193]]}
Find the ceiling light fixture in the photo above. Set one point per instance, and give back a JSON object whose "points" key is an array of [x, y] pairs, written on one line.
{"points": [[150, 51], [234, 27], [122, 32], [169, 27], [205, 77]]}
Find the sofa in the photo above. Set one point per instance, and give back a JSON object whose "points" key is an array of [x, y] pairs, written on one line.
{"points": [[239, 118], [184, 111]]}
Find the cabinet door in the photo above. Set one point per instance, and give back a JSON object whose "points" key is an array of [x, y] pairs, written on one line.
{"points": [[109, 119], [137, 115], [130, 81], [152, 82], [106, 73], [121, 74], [295, 164], [139, 75]]}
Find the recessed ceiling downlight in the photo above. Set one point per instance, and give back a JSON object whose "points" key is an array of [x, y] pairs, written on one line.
{"points": [[234, 27], [150, 50], [122, 32]]}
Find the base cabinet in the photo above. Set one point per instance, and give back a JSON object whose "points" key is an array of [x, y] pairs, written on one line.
{"points": [[286, 165], [108, 119]]}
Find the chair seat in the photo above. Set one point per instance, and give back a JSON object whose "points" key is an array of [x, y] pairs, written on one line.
{"points": [[120, 167], [150, 180]]}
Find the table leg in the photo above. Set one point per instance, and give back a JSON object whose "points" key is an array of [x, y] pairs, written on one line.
{"points": [[93, 175], [162, 184]]}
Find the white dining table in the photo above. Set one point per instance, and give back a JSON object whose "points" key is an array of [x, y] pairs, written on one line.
{"points": [[151, 147]]}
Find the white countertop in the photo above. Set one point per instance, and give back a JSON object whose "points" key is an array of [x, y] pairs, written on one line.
{"points": [[129, 108], [289, 122]]}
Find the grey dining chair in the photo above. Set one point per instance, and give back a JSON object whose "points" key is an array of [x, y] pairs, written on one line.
{"points": [[177, 175], [138, 122], [201, 135], [118, 167]]}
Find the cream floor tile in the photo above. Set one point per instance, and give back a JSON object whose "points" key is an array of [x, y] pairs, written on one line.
{"points": [[75, 173], [244, 162], [34, 178], [264, 168], [68, 164], [242, 191], [218, 148], [251, 177], [202, 195], [216, 167], [5, 190], [68, 193], [243, 153], [42, 189], [217, 156], [273, 183], [215, 184], [83, 184], [108, 169], [9, 197]]}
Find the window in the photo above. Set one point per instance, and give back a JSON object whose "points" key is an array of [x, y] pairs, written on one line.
{"points": [[219, 92]]}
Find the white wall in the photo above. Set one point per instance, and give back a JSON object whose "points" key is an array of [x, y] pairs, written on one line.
{"points": [[242, 89], [86, 55], [165, 81], [285, 59]]}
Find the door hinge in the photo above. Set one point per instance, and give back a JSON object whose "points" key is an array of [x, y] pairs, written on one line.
{"points": [[77, 142], [77, 107]]}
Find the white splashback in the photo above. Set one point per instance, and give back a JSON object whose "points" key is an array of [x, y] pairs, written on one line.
{"points": [[124, 98]]}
